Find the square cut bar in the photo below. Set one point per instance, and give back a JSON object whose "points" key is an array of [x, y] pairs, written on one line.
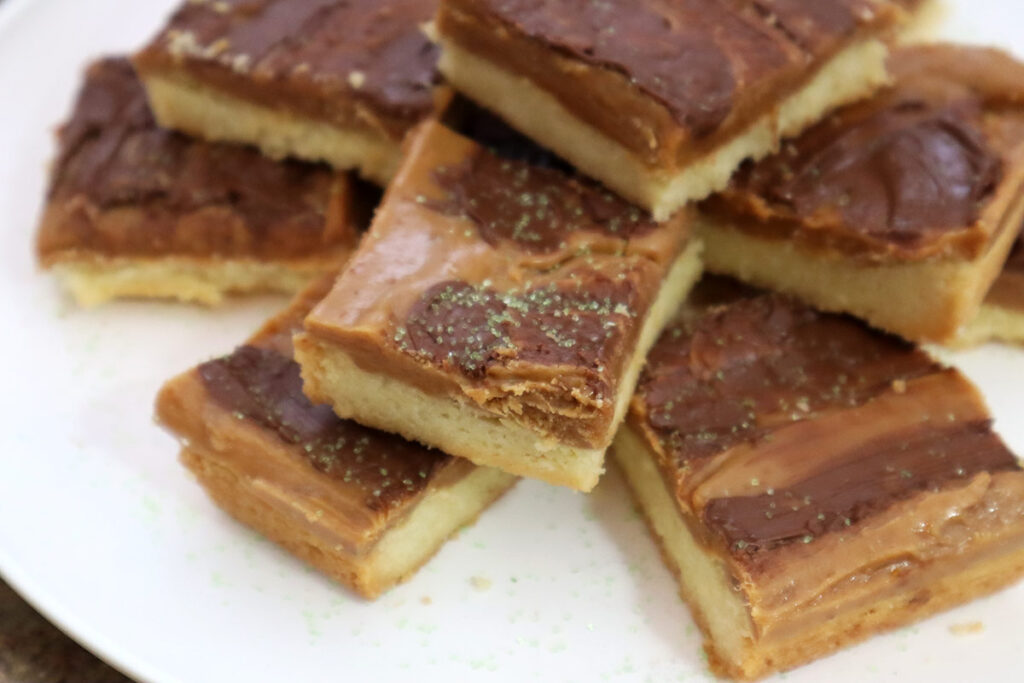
{"points": [[1001, 317], [365, 507], [499, 309], [812, 481], [322, 80], [137, 211], [661, 100], [900, 210]]}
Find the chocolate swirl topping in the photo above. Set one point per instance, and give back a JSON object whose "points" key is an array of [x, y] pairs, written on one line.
{"points": [[697, 57], [709, 384], [536, 207], [113, 153], [845, 421], [866, 482], [900, 175], [265, 386], [573, 322], [812, 24], [371, 49]]}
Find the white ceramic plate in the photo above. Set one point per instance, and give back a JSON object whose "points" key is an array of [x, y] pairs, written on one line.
{"points": [[105, 533]]}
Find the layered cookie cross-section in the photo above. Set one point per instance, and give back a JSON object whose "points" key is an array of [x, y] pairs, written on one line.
{"points": [[134, 210], [322, 80], [900, 210], [1001, 316], [499, 308], [365, 507], [812, 481], [662, 99]]}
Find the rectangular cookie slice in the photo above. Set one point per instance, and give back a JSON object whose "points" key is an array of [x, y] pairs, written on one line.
{"points": [[137, 211], [900, 210], [322, 80], [1001, 316], [499, 308], [364, 507], [812, 481], [662, 100]]}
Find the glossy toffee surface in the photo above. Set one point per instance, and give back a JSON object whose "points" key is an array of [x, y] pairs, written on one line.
{"points": [[663, 77], [264, 386], [912, 173], [366, 478], [786, 432], [364, 63], [503, 276], [123, 186]]}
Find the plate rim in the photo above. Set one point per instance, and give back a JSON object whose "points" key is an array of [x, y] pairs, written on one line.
{"points": [[17, 577], [37, 593]]}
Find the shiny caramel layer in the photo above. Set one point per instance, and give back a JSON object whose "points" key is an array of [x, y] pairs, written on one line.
{"points": [[668, 80], [517, 284], [122, 186], [372, 476], [359, 63], [264, 386], [912, 173], [778, 427], [512, 200], [1008, 289]]}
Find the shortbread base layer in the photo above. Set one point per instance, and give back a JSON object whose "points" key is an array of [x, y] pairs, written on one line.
{"points": [[186, 105], [852, 74], [993, 323], [723, 616], [921, 301], [458, 426], [399, 553], [93, 281], [703, 579]]}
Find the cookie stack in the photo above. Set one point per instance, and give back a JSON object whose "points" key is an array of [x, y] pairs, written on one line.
{"points": [[529, 295]]}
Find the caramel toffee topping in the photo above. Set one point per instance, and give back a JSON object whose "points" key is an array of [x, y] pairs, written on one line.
{"points": [[780, 424], [742, 370], [867, 480], [264, 386], [374, 50], [897, 176], [575, 322], [916, 172], [810, 24], [534, 206], [537, 323], [697, 57], [113, 154]]}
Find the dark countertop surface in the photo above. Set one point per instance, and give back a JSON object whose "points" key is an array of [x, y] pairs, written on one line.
{"points": [[32, 650]]}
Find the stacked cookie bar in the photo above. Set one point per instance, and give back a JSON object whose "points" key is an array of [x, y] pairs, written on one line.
{"points": [[135, 210], [525, 298]]}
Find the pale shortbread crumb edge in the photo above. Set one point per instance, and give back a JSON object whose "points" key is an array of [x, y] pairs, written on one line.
{"points": [[93, 281], [400, 552], [919, 300], [200, 111]]}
